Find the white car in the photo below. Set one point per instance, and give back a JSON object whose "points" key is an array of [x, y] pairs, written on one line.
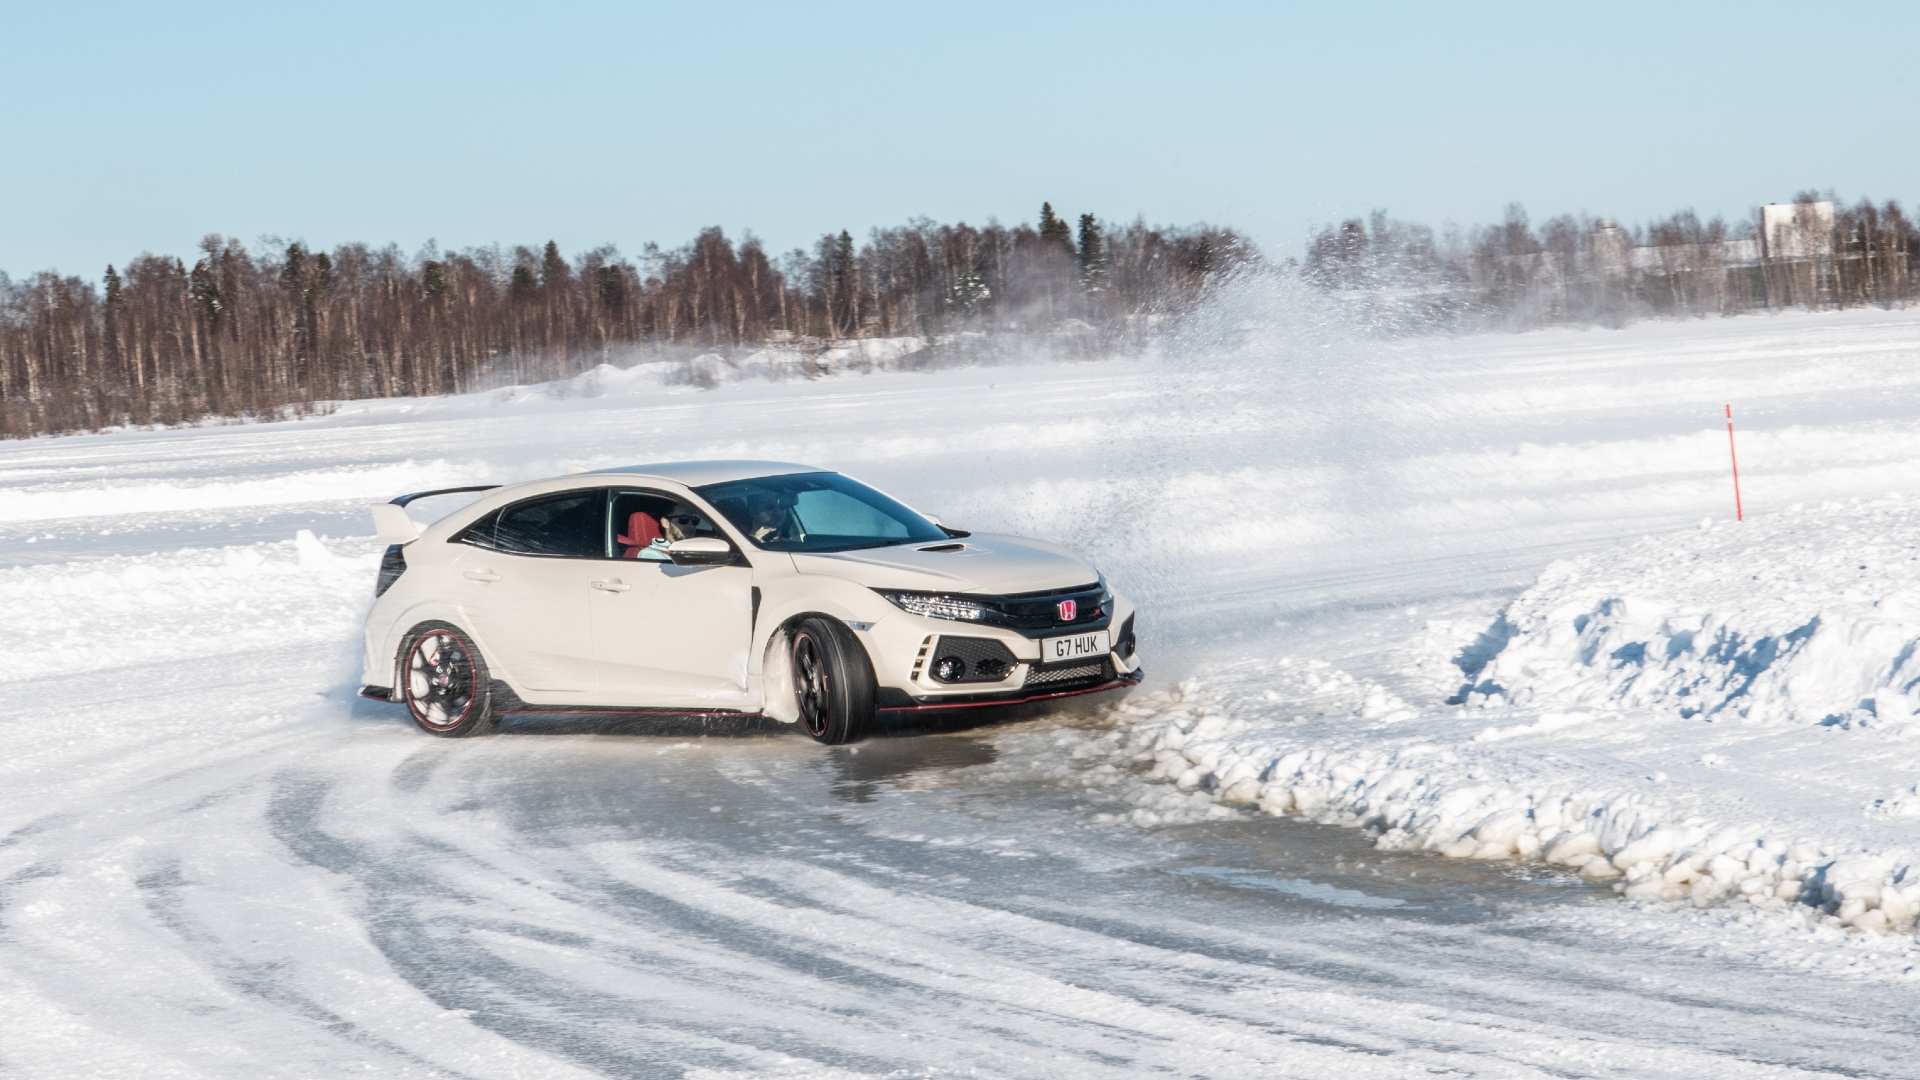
{"points": [[743, 587]]}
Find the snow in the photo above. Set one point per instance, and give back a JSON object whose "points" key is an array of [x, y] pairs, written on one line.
{"points": [[1453, 594], [1722, 716]]}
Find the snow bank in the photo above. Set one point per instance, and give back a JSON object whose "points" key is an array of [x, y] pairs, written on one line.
{"points": [[93, 497], [801, 362], [1808, 617], [1722, 718], [75, 617]]}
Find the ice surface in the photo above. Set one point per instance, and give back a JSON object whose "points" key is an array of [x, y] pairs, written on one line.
{"points": [[216, 861]]}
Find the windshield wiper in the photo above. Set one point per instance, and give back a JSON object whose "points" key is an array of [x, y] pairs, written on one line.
{"points": [[878, 544]]}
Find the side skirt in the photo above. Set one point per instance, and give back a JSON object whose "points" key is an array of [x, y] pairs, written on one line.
{"points": [[506, 701]]}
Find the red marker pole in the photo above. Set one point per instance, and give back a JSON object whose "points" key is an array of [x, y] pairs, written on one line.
{"points": [[1738, 513]]}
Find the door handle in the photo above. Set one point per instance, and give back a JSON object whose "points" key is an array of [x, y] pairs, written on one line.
{"points": [[480, 575], [611, 585]]}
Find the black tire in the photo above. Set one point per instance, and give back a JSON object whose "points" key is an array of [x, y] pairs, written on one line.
{"points": [[832, 680], [444, 682]]}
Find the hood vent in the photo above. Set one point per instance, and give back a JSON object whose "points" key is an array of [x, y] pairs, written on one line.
{"points": [[943, 547]]}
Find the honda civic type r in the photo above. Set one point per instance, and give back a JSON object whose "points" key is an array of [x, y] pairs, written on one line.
{"points": [[743, 587]]}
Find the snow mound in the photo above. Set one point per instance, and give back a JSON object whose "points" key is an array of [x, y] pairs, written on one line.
{"points": [[1812, 616], [1721, 718], [66, 618], [92, 497], [1305, 739]]}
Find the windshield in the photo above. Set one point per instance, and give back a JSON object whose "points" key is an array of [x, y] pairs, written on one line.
{"points": [[820, 511]]}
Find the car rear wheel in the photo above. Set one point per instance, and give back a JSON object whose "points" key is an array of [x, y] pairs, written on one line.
{"points": [[832, 679], [445, 683]]}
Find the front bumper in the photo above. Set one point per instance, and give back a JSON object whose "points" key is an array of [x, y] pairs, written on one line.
{"points": [[905, 649]]}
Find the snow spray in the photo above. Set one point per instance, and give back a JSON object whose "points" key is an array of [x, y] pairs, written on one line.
{"points": [[1738, 513]]}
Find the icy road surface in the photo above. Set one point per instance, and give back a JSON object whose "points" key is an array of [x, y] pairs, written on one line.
{"points": [[215, 861]]}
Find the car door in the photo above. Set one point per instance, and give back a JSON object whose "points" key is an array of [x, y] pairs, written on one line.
{"points": [[526, 576], [670, 636]]}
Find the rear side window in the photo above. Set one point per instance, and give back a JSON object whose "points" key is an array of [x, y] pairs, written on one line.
{"points": [[571, 524], [480, 533]]}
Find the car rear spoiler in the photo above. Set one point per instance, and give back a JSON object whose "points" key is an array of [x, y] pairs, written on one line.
{"points": [[405, 499], [391, 523]]}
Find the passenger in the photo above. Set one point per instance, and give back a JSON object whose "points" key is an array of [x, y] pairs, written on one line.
{"points": [[767, 520]]}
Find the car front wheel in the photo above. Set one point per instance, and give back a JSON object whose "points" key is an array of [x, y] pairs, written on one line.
{"points": [[445, 683], [832, 679]]}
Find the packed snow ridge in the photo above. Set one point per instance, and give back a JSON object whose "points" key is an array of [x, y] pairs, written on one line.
{"points": [[1809, 617], [1720, 717]]}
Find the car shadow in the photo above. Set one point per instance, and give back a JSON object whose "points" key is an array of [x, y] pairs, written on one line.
{"points": [[891, 747], [656, 725], [862, 770]]}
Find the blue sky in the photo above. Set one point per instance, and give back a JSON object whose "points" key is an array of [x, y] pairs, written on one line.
{"points": [[130, 127]]}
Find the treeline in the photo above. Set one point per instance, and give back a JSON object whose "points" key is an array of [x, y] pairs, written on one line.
{"points": [[1813, 253], [242, 332]]}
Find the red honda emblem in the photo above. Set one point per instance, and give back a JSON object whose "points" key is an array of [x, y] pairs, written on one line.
{"points": [[1068, 610]]}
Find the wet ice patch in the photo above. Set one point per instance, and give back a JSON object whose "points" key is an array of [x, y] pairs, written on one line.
{"points": [[1305, 890]]}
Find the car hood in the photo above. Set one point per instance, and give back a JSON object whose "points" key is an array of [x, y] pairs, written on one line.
{"points": [[982, 564]]}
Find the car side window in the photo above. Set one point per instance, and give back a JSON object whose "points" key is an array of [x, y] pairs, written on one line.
{"points": [[635, 525], [569, 524], [479, 534], [642, 523]]}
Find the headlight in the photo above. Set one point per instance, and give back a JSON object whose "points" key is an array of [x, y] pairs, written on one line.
{"points": [[937, 606]]}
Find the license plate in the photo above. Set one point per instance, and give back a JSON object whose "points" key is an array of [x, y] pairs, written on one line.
{"points": [[1075, 647]]}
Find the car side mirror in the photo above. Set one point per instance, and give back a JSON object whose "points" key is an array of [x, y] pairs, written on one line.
{"points": [[700, 551]]}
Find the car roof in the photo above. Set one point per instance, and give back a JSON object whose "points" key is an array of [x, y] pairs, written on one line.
{"points": [[701, 473]]}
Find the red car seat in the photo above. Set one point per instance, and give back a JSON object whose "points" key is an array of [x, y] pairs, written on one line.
{"points": [[642, 531]]}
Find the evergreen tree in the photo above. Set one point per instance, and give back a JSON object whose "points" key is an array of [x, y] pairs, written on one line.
{"points": [[1053, 230], [110, 318], [433, 279], [1092, 255], [969, 293], [1203, 255], [553, 267], [205, 290], [293, 267], [613, 288], [837, 255]]}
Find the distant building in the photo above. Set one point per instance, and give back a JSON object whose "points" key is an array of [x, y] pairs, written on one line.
{"points": [[1797, 230], [1610, 246]]}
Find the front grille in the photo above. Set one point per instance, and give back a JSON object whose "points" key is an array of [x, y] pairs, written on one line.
{"points": [[1041, 610], [979, 660], [1034, 614], [1067, 676]]}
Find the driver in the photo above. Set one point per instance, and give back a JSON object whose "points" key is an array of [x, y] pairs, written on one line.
{"points": [[679, 524], [767, 519]]}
